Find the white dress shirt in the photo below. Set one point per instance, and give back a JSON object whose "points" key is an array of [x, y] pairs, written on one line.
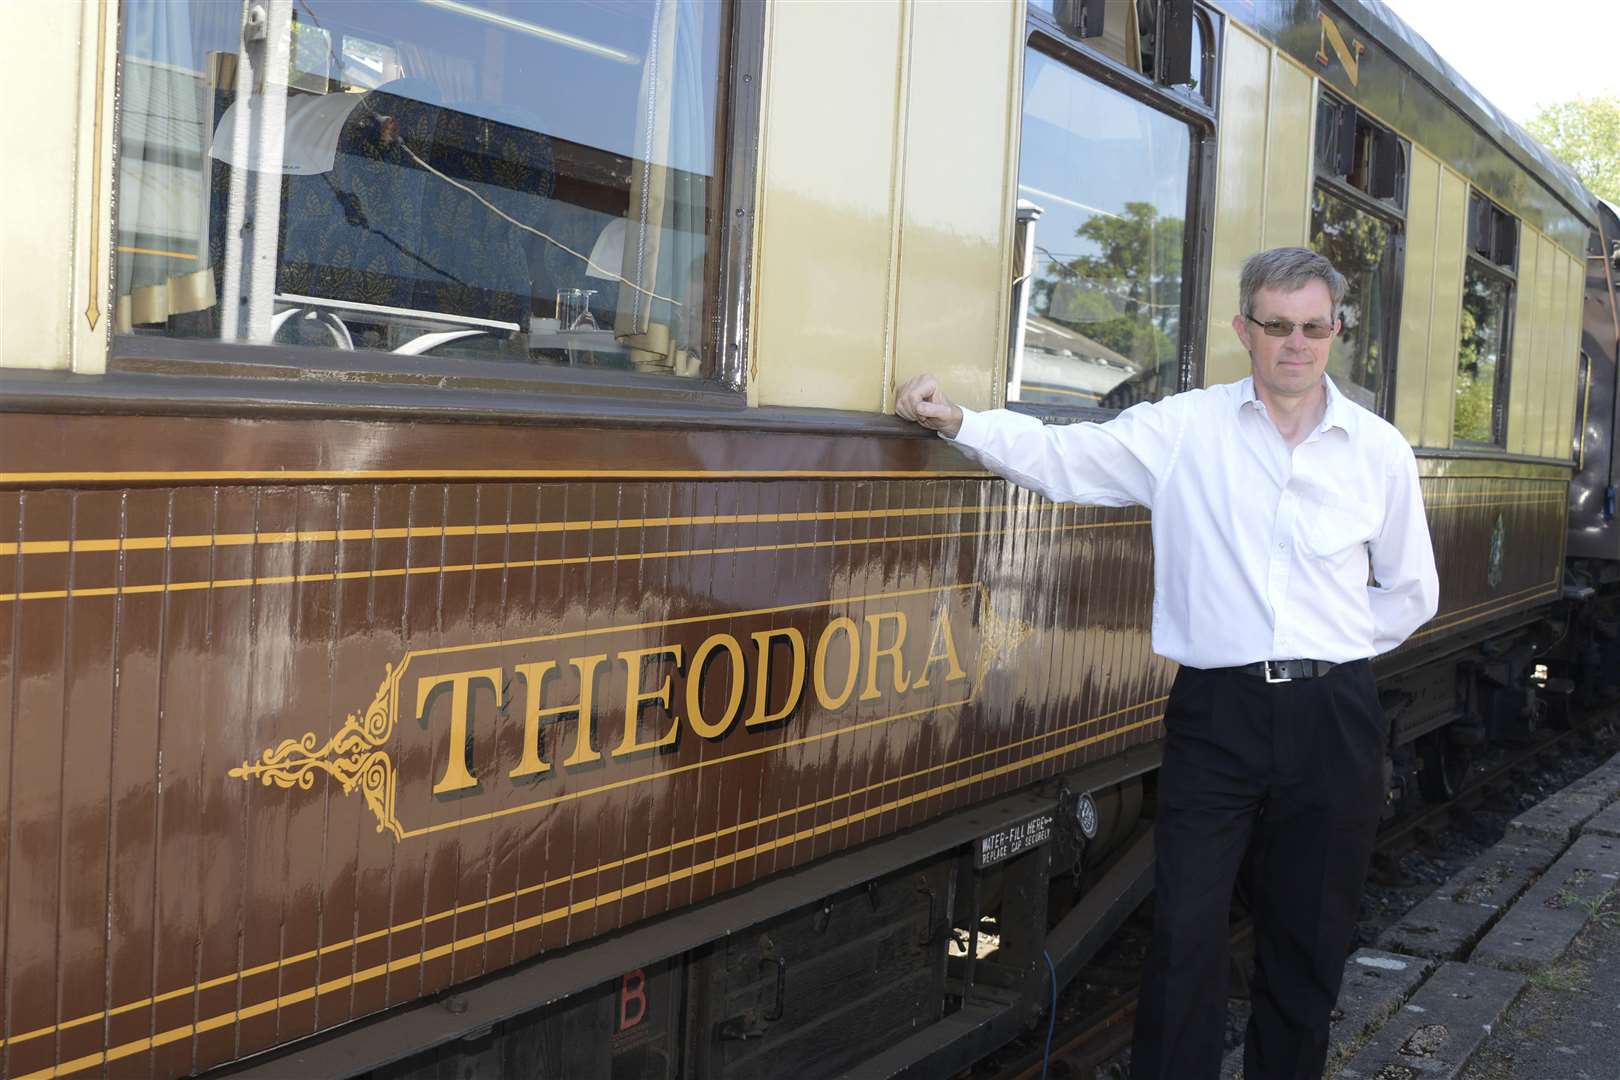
{"points": [[1260, 553]]}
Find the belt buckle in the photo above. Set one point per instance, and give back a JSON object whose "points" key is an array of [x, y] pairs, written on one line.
{"points": [[1281, 666]]}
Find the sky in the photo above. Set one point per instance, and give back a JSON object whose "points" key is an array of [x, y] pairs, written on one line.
{"points": [[1522, 55]]}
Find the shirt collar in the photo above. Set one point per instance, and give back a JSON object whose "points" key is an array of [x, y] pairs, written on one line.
{"points": [[1337, 414]]}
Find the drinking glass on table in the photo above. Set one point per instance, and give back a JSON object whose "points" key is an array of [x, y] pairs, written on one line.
{"points": [[574, 316]]}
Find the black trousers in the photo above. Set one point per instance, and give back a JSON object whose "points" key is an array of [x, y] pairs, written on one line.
{"points": [[1285, 779]]}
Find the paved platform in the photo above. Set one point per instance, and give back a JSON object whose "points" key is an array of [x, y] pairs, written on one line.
{"points": [[1540, 927], [1433, 1036], [1510, 971], [1561, 816], [1566, 1024], [1449, 923], [1537, 998], [1376, 984], [1606, 823]]}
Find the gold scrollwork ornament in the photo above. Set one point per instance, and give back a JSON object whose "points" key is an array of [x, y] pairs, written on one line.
{"points": [[354, 757]]}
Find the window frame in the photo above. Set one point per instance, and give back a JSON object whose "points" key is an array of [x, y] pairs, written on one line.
{"points": [[728, 275], [1392, 213], [1502, 274], [1044, 35]]}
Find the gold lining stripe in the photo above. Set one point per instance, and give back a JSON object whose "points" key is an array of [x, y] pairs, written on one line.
{"points": [[691, 766], [1493, 600], [354, 475], [94, 283], [528, 528], [135, 1047], [316, 536], [1486, 482], [1502, 603], [129, 250], [573, 560], [682, 620], [1441, 504], [1439, 470]]}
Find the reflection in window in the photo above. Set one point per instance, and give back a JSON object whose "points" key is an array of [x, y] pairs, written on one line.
{"points": [[1361, 246], [528, 182], [1483, 366], [1481, 356], [1359, 151], [1129, 35], [1102, 307]]}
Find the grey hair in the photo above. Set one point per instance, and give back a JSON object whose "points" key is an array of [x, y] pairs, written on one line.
{"points": [[1287, 269]]}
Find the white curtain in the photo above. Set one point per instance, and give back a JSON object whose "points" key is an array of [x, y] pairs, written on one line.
{"points": [[660, 302], [162, 257]]}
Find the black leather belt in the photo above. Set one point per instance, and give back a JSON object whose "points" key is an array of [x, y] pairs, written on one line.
{"points": [[1275, 671]]}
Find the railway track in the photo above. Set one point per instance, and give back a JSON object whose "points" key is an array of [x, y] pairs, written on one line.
{"points": [[1092, 1040]]}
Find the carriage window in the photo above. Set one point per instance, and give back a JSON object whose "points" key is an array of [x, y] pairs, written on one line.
{"points": [[1480, 414], [1357, 211], [1166, 40], [1362, 246], [1102, 185], [470, 178]]}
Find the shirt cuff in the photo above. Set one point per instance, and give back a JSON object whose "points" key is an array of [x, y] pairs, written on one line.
{"points": [[968, 434]]}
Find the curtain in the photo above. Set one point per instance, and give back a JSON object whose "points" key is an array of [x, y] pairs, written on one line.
{"points": [[660, 302], [162, 267]]}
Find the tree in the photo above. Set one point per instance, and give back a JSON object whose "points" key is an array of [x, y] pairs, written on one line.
{"points": [[1140, 259], [1585, 135]]}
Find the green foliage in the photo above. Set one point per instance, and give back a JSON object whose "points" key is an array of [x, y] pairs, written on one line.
{"points": [[1479, 350], [1585, 135], [1358, 245], [1127, 296], [1473, 417]]}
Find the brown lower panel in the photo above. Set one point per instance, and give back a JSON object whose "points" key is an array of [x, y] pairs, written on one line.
{"points": [[322, 746]]}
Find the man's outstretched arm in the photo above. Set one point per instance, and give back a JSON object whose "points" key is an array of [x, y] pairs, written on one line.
{"points": [[1118, 463]]}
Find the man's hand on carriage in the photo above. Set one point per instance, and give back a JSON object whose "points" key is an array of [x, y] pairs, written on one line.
{"points": [[920, 399]]}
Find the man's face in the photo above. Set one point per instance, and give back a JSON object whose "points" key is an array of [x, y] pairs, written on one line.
{"points": [[1289, 366]]}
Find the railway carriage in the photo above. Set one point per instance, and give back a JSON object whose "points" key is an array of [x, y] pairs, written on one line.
{"points": [[464, 608]]}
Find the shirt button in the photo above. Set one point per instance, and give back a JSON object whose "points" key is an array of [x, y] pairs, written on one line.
{"points": [[1282, 546]]}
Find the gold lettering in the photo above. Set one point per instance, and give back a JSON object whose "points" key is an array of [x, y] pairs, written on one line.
{"points": [[875, 623], [534, 677], [635, 697], [942, 634], [845, 625], [456, 773], [1350, 59], [584, 748], [762, 642], [694, 686]]}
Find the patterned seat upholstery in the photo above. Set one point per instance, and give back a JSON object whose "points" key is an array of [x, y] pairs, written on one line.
{"points": [[483, 255], [356, 233], [380, 229]]}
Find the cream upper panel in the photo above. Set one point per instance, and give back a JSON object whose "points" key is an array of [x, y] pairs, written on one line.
{"points": [[1417, 298], [1524, 336], [885, 210], [827, 206], [57, 62], [1289, 120], [1263, 179], [1240, 194], [954, 253], [1445, 326]]}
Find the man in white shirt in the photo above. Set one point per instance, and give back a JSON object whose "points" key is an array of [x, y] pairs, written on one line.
{"points": [[1273, 498]]}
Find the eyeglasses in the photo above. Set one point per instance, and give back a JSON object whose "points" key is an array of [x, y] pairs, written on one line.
{"points": [[1283, 328]]}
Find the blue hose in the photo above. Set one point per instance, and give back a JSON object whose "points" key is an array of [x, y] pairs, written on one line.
{"points": [[1051, 1020]]}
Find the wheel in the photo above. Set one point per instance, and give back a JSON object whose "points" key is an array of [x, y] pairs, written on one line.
{"points": [[1444, 768]]}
